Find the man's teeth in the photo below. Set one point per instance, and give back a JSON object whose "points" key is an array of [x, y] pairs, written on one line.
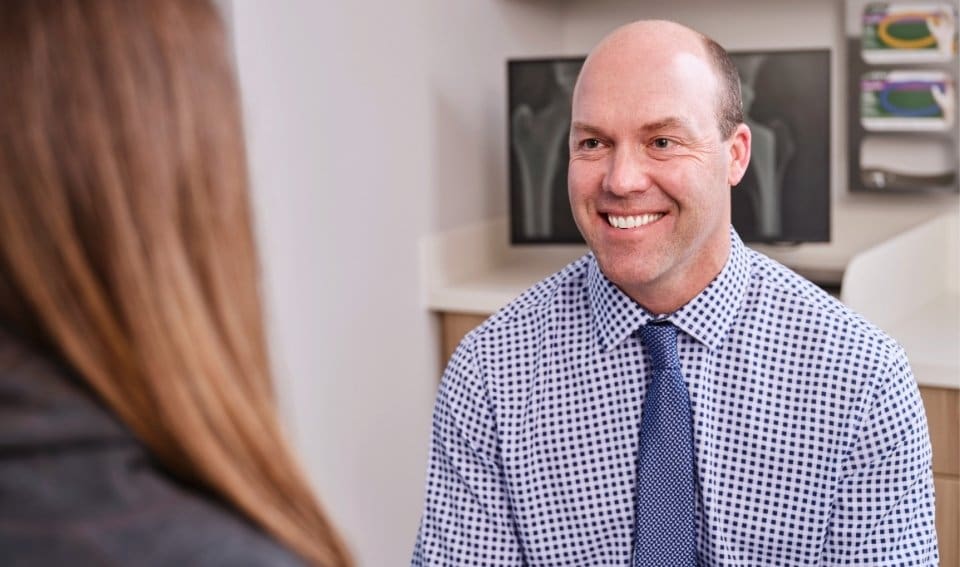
{"points": [[632, 222]]}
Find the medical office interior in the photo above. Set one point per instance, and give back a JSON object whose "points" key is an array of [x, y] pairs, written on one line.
{"points": [[385, 191]]}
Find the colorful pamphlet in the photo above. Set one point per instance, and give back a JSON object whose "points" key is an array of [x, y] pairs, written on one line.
{"points": [[909, 33], [907, 101]]}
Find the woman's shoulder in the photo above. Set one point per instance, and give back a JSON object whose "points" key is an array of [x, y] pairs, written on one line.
{"points": [[178, 533], [183, 532], [79, 489]]}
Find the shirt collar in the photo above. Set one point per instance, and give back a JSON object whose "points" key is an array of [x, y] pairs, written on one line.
{"points": [[706, 317]]}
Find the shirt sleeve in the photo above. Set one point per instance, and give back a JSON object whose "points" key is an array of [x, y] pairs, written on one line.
{"points": [[467, 518], [884, 511]]}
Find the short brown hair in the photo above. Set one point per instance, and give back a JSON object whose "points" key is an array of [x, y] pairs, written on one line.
{"points": [[730, 103]]}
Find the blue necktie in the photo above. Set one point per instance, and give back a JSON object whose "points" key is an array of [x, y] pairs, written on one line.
{"points": [[665, 532]]}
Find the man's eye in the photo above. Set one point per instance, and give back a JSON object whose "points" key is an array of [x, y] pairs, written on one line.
{"points": [[590, 144], [662, 143]]}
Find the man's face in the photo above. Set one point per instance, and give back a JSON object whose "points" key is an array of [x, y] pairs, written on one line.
{"points": [[650, 173]]}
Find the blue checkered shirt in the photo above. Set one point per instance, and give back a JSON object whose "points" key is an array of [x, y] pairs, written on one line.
{"points": [[810, 436]]}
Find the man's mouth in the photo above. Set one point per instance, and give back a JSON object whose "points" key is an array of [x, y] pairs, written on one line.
{"points": [[617, 221]]}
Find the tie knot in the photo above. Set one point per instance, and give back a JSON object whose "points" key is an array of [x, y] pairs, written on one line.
{"points": [[661, 342]]}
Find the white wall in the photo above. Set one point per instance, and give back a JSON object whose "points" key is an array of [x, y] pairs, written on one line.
{"points": [[336, 107], [736, 24], [469, 43], [369, 125]]}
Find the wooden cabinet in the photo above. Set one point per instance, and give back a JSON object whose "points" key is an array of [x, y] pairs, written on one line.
{"points": [[943, 416], [453, 327]]}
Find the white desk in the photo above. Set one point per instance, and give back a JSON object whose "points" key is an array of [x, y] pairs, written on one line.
{"points": [[908, 286]]}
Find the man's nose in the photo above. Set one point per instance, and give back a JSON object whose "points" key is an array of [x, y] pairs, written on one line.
{"points": [[629, 172]]}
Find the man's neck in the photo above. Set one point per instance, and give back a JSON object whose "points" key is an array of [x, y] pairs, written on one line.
{"points": [[666, 295]]}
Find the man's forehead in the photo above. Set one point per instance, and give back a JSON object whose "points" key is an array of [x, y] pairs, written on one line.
{"points": [[627, 73], [644, 48], [646, 65], [650, 38]]}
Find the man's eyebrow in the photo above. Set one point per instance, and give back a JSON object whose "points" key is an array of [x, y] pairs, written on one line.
{"points": [[665, 123], [584, 127]]}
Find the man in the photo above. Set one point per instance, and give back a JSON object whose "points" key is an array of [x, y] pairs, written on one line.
{"points": [[673, 398]]}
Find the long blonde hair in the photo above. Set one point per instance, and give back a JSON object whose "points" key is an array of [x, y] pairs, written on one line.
{"points": [[126, 241]]}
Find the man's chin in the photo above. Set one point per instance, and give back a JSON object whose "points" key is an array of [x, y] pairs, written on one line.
{"points": [[628, 271]]}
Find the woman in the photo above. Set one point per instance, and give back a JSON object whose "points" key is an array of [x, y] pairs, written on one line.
{"points": [[137, 419]]}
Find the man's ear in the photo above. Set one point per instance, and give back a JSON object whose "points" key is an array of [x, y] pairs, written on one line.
{"points": [[739, 154]]}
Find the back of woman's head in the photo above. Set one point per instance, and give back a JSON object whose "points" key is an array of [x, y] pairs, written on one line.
{"points": [[126, 244]]}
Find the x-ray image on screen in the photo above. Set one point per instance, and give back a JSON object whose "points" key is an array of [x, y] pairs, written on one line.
{"points": [[785, 194], [541, 92]]}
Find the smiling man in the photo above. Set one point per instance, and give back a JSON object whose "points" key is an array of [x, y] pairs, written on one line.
{"points": [[657, 141], [673, 398]]}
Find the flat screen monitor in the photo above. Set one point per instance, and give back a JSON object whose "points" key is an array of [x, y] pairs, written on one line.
{"points": [[784, 196]]}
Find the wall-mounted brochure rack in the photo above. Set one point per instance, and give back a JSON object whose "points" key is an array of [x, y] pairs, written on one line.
{"points": [[902, 98]]}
